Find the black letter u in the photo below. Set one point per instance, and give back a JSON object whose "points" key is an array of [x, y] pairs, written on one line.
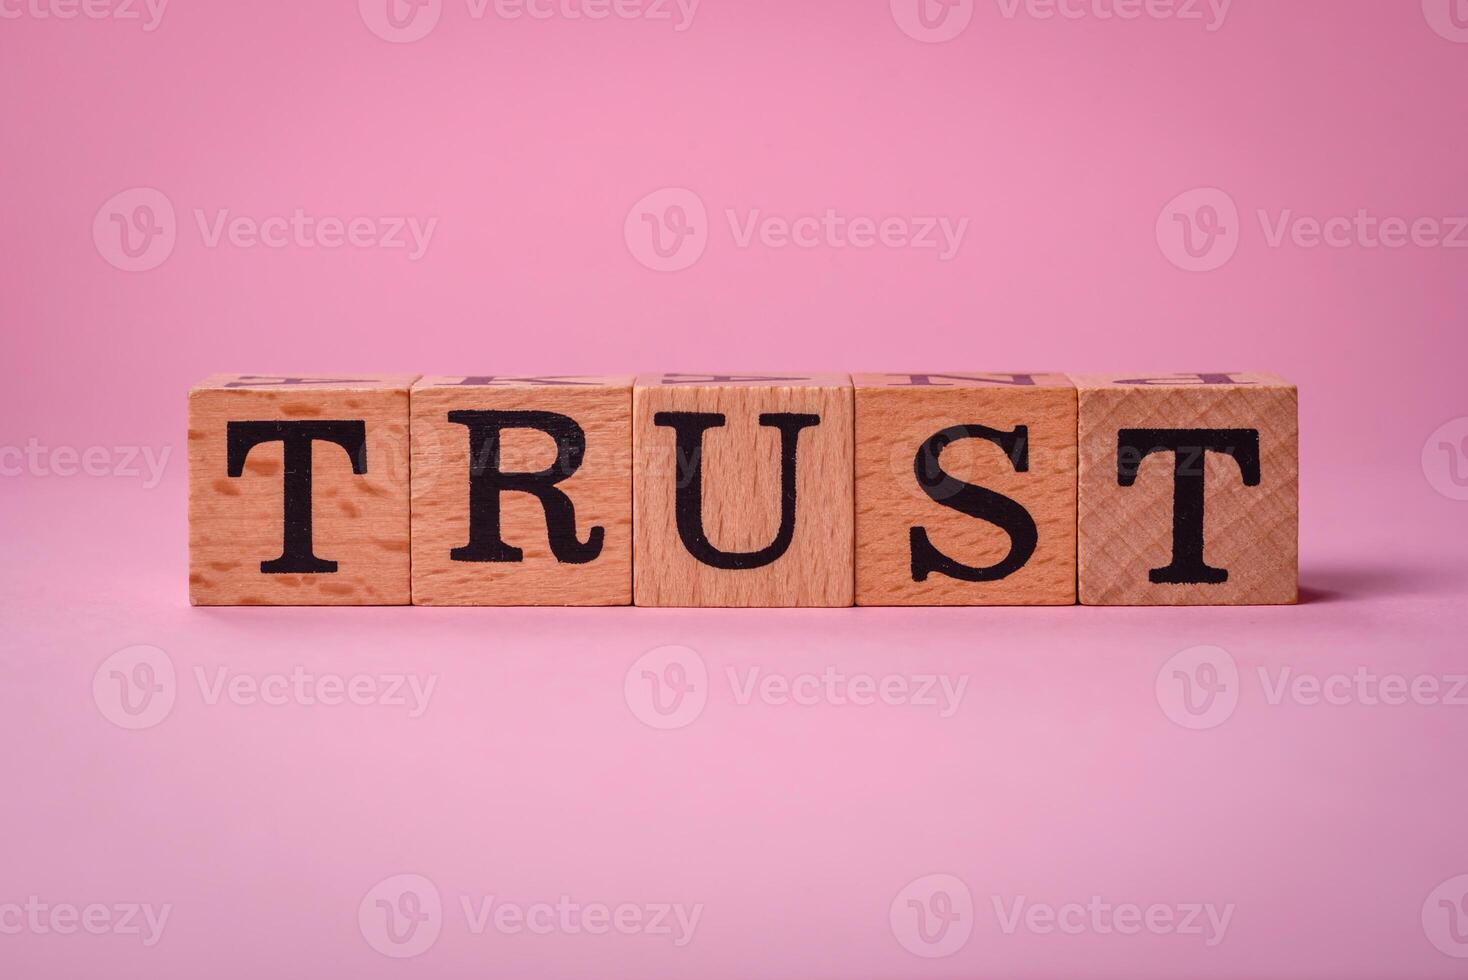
{"points": [[688, 501]]}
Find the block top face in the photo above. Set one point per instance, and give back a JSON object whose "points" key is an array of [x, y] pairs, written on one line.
{"points": [[288, 384], [1165, 380], [565, 382], [964, 379], [749, 379]]}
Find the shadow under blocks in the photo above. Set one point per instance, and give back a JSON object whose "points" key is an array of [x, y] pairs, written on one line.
{"points": [[755, 490]]}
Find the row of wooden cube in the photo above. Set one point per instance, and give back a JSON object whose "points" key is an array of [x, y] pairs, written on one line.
{"points": [[744, 490]]}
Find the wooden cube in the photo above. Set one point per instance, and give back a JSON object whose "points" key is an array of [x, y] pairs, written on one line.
{"points": [[522, 491], [742, 490], [1189, 489], [965, 489], [298, 490]]}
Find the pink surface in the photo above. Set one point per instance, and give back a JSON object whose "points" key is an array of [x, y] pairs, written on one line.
{"points": [[1100, 180]]}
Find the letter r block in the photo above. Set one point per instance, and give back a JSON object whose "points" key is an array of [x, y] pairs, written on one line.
{"points": [[743, 490], [1189, 489], [298, 490], [965, 489], [522, 491]]}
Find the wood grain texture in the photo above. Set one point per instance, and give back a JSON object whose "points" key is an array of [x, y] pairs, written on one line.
{"points": [[741, 485], [600, 490], [895, 415], [1250, 531], [360, 521]]}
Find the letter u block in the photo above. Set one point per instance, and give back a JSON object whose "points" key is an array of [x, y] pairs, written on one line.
{"points": [[298, 490], [743, 490], [522, 491], [1189, 489], [965, 489]]}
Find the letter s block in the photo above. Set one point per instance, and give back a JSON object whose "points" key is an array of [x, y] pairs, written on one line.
{"points": [[965, 489], [1189, 489], [298, 490], [743, 490], [522, 491]]}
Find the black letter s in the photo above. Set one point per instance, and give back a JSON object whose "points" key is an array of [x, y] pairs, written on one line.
{"points": [[979, 502]]}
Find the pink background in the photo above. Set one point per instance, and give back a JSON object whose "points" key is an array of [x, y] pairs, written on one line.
{"points": [[531, 774]]}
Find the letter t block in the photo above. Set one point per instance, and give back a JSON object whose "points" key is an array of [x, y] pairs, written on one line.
{"points": [[743, 490], [298, 490], [1189, 489]]}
